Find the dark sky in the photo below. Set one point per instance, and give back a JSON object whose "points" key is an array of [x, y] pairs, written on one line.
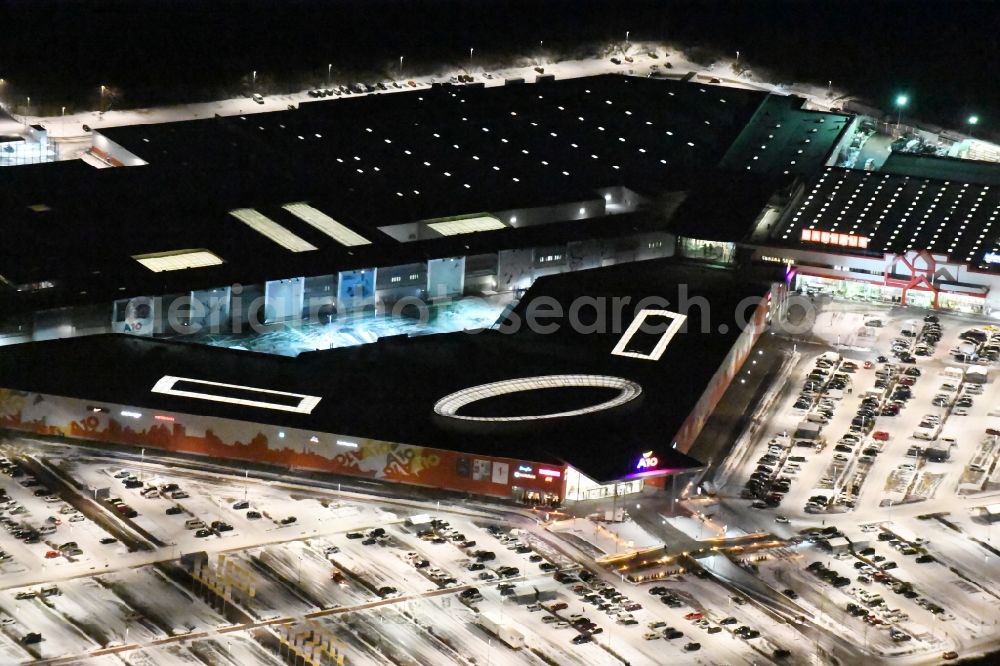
{"points": [[939, 52]]}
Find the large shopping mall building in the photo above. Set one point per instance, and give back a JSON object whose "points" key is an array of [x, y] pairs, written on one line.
{"points": [[666, 221]]}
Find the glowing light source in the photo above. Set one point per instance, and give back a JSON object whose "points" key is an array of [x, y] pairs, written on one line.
{"points": [[452, 403], [177, 260], [304, 405], [677, 321], [271, 230], [326, 224]]}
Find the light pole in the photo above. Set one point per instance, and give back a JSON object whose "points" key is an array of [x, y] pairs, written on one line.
{"points": [[329, 68], [972, 120], [737, 57], [901, 101], [400, 65], [471, 51], [253, 81]]}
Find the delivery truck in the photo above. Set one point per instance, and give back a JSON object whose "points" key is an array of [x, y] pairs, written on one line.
{"points": [[502, 630]]}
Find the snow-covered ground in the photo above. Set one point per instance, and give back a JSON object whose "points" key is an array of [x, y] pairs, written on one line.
{"points": [[964, 580], [69, 133]]}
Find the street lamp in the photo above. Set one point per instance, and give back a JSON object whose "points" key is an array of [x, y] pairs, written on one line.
{"points": [[253, 80], [400, 65], [901, 101], [471, 51], [329, 68], [973, 120], [626, 35]]}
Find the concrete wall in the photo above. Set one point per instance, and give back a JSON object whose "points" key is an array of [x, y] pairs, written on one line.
{"points": [[446, 277], [394, 283], [486, 273], [284, 299], [729, 368], [320, 297], [481, 273], [574, 210], [68, 322], [210, 308]]}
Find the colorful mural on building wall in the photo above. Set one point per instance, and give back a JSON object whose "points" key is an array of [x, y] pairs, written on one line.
{"points": [[281, 447]]}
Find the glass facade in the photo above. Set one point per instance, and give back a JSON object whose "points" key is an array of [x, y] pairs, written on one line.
{"points": [[703, 250], [874, 292], [581, 487]]}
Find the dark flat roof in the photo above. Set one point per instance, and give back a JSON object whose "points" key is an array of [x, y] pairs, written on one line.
{"points": [[367, 162], [943, 168], [724, 209], [898, 213], [387, 390], [785, 138]]}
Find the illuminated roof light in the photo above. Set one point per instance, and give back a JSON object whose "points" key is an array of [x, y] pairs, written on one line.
{"points": [[467, 225], [271, 230], [326, 224], [167, 385], [451, 404], [177, 260]]}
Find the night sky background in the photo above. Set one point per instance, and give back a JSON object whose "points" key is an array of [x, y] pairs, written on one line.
{"points": [[943, 53]]}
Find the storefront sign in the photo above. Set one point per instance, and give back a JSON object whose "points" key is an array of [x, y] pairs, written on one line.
{"points": [[525, 472], [834, 238], [991, 258], [647, 461], [551, 473]]}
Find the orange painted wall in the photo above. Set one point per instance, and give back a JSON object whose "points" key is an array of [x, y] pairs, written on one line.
{"points": [[238, 440]]}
